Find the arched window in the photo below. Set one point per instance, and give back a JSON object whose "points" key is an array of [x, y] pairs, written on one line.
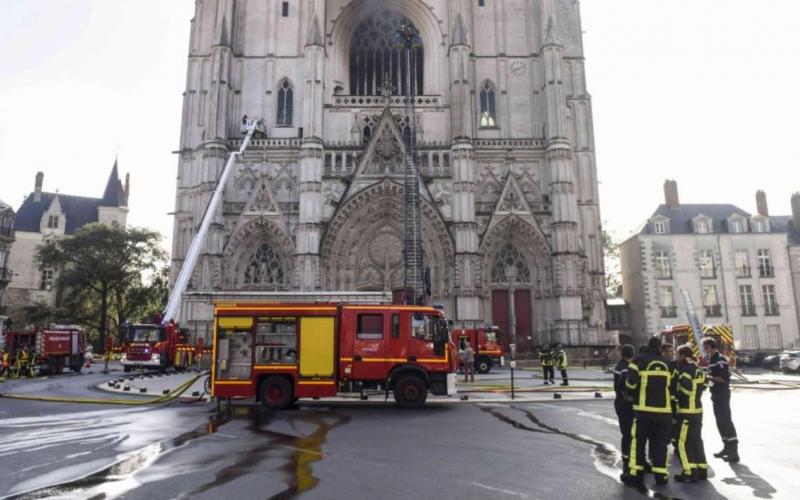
{"points": [[376, 55], [488, 110], [285, 103], [507, 259], [265, 268]]}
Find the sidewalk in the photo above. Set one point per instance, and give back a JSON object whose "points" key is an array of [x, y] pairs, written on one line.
{"points": [[154, 384]]}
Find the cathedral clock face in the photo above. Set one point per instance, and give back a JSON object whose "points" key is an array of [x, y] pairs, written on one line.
{"points": [[518, 68]]}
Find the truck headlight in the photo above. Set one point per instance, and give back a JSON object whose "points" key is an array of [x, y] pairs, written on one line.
{"points": [[124, 357], [155, 357]]}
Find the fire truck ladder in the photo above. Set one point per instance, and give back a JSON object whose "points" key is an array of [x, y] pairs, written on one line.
{"points": [[249, 127], [413, 253], [691, 315]]}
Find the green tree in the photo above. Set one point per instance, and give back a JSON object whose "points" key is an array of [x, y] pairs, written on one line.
{"points": [[106, 274], [612, 263]]}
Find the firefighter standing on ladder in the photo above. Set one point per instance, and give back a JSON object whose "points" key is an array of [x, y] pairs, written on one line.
{"points": [[648, 382]]}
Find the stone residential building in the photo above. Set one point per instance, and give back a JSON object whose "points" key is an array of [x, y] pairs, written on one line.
{"points": [[510, 206], [44, 215], [6, 239], [735, 266]]}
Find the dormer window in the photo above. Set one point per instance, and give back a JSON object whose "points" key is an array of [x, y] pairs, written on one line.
{"points": [[660, 226], [52, 222], [760, 225], [736, 225], [702, 226]]}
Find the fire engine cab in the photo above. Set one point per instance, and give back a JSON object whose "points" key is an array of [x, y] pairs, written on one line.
{"points": [[277, 353], [154, 346]]}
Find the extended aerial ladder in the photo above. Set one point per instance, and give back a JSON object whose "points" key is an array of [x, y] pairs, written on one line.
{"points": [[691, 316], [249, 127], [416, 280]]}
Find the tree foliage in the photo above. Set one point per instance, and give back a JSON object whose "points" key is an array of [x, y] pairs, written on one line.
{"points": [[106, 275], [612, 263]]}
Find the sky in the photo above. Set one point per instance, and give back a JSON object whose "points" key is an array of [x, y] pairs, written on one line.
{"points": [[700, 91]]}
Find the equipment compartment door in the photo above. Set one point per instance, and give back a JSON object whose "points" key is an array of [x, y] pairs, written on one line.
{"points": [[234, 348], [369, 346], [317, 347]]}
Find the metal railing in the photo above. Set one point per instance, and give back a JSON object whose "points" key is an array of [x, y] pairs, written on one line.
{"points": [[669, 311], [713, 311], [748, 310], [771, 310]]}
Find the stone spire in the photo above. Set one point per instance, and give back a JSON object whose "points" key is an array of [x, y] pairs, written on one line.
{"points": [[314, 34]]}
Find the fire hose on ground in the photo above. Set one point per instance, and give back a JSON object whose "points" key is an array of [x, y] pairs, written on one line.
{"points": [[166, 398]]}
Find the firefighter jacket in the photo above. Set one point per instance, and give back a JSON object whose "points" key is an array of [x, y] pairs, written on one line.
{"points": [[718, 367], [5, 359], [648, 382], [546, 357], [561, 360], [688, 384]]}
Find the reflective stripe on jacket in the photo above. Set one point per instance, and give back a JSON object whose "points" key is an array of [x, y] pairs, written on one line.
{"points": [[649, 382]]}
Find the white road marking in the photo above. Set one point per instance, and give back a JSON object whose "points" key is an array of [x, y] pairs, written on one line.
{"points": [[500, 490]]}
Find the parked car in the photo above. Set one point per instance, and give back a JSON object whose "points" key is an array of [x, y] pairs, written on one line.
{"points": [[790, 361], [744, 358], [772, 362]]}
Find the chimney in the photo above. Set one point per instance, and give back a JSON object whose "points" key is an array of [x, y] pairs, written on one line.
{"points": [[796, 210], [761, 203], [127, 187], [671, 193], [37, 190]]}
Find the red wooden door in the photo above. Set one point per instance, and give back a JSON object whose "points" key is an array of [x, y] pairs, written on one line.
{"points": [[500, 311], [524, 316]]}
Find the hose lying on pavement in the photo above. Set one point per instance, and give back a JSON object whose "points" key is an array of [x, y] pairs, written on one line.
{"points": [[99, 401]]}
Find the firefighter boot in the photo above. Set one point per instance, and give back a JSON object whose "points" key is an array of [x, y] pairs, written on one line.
{"points": [[733, 452], [683, 478], [724, 451], [661, 479], [700, 474]]}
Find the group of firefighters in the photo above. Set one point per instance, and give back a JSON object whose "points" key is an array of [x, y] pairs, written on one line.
{"points": [[549, 358], [659, 399], [24, 363]]}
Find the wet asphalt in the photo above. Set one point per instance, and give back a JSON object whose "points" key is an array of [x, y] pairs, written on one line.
{"points": [[557, 449]]}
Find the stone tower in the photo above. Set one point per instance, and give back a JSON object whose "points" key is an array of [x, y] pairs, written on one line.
{"points": [[511, 224]]}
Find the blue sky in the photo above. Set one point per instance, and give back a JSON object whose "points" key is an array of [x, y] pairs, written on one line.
{"points": [[702, 91]]}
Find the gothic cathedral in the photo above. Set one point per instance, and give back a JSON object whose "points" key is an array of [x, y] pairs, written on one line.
{"points": [[503, 127]]}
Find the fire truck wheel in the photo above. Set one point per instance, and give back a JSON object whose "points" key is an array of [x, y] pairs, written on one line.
{"points": [[127, 369], [410, 391], [276, 393], [483, 365]]}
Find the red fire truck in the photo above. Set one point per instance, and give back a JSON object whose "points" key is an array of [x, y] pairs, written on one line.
{"points": [[52, 349], [277, 353], [155, 346], [682, 334], [485, 344]]}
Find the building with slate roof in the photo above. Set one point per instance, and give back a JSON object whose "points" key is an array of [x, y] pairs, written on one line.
{"points": [[739, 268], [44, 215], [6, 239]]}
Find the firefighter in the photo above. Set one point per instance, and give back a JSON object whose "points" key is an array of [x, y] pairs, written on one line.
{"points": [[623, 405], [720, 376], [688, 386], [648, 382], [668, 351], [22, 361], [561, 361], [546, 359]]}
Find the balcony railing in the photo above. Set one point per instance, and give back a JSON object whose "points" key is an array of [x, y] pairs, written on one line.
{"points": [[664, 274], [766, 271], [708, 273], [6, 274], [749, 310], [669, 311], [771, 310], [714, 311], [742, 272]]}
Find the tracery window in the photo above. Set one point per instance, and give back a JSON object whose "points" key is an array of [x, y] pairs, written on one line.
{"points": [[285, 103], [376, 55], [488, 108], [264, 268], [510, 257]]}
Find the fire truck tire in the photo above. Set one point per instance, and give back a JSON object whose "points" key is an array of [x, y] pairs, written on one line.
{"points": [[483, 364], [76, 368], [410, 391], [276, 392], [127, 369]]}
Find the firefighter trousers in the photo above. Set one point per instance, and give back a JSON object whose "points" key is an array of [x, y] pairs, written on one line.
{"points": [[548, 373], [722, 414], [625, 418], [690, 444], [564, 374], [651, 429]]}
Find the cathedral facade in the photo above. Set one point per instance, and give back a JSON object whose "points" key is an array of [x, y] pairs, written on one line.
{"points": [[503, 127]]}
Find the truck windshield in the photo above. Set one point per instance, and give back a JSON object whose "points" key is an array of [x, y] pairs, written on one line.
{"points": [[143, 334], [491, 336]]}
